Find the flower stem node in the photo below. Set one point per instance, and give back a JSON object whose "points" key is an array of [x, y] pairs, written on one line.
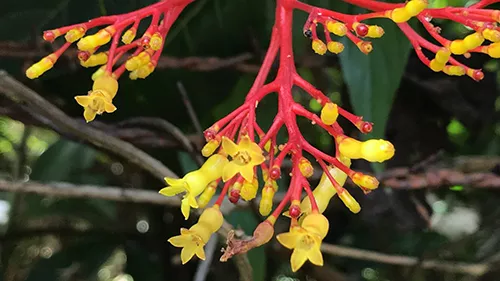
{"points": [[329, 113], [319, 47], [39, 68], [365, 181], [365, 47], [305, 167], [335, 47], [336, 28], [75, 34], [194, 239], [195, 182], [156, 42], [129, 36], [100, 99]]}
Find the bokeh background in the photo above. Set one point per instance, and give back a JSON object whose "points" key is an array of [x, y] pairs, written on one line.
{"points": [[438, 199]]}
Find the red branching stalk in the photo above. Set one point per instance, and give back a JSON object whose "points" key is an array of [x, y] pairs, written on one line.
{"points": [[241, 125]]}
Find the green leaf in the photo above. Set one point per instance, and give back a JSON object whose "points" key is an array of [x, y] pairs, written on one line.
{"points": [[373, 79], [246, 220], [63, 161], [85, 256]]}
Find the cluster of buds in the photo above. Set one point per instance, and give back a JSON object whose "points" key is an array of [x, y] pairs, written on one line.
{"points": [[237, 146], [143, 53], [483, 23]]}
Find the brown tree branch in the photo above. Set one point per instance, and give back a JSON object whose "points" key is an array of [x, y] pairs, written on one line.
{"points": [[21, 94], [474, 269], [150, 197]]}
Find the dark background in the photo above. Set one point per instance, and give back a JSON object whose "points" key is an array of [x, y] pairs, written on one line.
{"points": [[437, 123]]}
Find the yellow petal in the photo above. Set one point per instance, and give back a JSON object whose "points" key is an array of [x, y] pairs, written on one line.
{"points": [[171, 190], [175, 182], [179, 240], [229, 146], [83, 100], [200, 253], [192, 201], [185, 231], [188, 252], [245, 143], [247, 172], [229, 171], [257, 158], [288, 239], [89, 114], [315, 256], [255, 148], [185, 208], [298, 259], [109, 107]]}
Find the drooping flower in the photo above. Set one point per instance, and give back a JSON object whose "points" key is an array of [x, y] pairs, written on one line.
{"points": [[305, 240], [195, 182], [193, 240], [100, 99], [245, 156]]}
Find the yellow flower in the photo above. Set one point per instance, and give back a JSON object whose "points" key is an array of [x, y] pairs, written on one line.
{"points": [[195, 182], [305, 240], [100, 99], [194, 239], [245, 155]]}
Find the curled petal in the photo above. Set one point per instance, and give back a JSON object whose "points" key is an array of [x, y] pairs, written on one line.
{"points": [[171, 190], [83, 100], [175, 182], [245, 143], [109, 107], [192, 201], [179, 241], [89, 114], [185, 208], [229, 146]]}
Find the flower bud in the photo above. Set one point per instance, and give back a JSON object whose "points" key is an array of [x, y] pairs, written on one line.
{"points": [[329, 113], [349, 201], [319, 47]]}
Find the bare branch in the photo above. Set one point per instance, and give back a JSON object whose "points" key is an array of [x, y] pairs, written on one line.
{"points": [[475, 269]]}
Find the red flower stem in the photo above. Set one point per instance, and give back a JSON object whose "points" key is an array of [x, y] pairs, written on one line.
{"points": [[375, 5], [307, 188], [224, 190], [230, 117], [296, 183], [277, 212], [273, 130], [283, 153], [271, 53], [62, 49], [319, 155], [432, 31], [335, 184], [300, 110]]}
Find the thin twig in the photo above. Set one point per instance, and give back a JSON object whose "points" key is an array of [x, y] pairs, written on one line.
{"points": [[475, 269], [204, 266], [19, 93], [189, 107]]}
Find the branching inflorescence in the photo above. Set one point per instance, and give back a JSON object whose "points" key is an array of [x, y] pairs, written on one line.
{"points": [[237, 146]]}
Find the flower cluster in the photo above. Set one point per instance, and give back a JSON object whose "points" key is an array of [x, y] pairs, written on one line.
{"points": [[237, 147], [483, 22], [143, 53]]}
